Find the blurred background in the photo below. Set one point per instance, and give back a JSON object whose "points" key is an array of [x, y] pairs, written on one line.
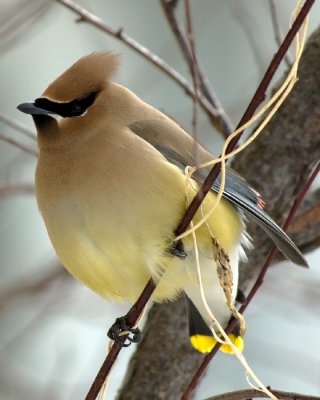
{"points": [[53, 330]]}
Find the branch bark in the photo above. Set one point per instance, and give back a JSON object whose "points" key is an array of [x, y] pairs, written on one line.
{"points": [[252, 393], [221, 122], [283, 157]]}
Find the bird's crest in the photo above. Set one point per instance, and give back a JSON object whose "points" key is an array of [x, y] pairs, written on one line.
{"points": [[87, 75]]}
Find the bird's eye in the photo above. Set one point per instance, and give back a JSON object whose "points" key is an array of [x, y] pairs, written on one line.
{"points": [[74, 108], [77, 108]]}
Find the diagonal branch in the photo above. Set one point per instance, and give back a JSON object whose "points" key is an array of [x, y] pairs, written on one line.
{"points": [[19, 188], [276, 27], [119, 34], [18, 126], [298, 200], [222, 122], [256, 100], [20, 146], [194, 68]]}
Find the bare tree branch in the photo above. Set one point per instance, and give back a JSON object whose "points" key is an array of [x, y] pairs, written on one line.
{"points": [[222, 122], [119, 33], [18, 126], [21, 188], [17, 144], [33, 286], [258, 283], [252, 393], [305, 228], [309, 216], [256, 100], [285, 153], [276, 27], [194, 67]]}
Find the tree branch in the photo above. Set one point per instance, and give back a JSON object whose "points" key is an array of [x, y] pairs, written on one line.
{"points": [[221, 122], [252, 393], [22, 188], [285, 153], [18, 126], [32, 287], [276, 28], [305, 228], [17, 144], [86, 16], [258, 283], [256, 100]]}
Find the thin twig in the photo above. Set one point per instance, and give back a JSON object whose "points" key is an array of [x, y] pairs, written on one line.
{"points": [[257, 99], [298, 200], [20, 146], [53, 296], [21, 188], [222, 122], [276, 28], [86, 16], [32, 287], [195, 75], [18, 126], [252, 393], [307, 218], [131, 319]]}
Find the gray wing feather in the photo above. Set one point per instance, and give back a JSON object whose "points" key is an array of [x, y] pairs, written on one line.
{"points": [[236, 190]]}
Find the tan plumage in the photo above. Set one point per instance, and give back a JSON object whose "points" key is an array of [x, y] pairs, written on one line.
{"points": [[110, 187]]}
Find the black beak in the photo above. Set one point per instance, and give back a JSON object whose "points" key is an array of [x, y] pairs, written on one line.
{"points": [[30, 108]]}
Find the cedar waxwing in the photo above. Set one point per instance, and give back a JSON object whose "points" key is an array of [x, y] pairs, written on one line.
{"points": [[110, 186]]}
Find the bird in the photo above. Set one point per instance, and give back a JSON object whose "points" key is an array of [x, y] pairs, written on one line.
{"points": [[110, 185]]}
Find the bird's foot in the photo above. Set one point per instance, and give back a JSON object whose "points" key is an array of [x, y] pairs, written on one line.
{"points": [[177, 249], [119, 329]]}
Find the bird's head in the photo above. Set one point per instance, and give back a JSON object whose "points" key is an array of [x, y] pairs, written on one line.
{"points": [[75, 98]]}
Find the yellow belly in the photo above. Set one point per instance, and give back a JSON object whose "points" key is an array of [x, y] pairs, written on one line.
{"points": [[113, 237]]}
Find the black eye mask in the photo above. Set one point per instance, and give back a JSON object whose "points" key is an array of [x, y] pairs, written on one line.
{"points": [[74, 108]]}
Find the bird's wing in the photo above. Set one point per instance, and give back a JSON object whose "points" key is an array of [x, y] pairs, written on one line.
{"points": [[167, 137], [237, 192]]}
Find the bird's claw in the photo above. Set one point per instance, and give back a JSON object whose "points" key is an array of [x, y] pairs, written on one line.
{"points": [[177, 249], [119, 329]]}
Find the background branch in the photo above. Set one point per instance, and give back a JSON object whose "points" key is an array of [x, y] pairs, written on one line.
{"points": [[35, 285], [19, 145], [221, 122], [282, 158], [252, 393], [276, 28], [86, 16], [18, 126], [305, 227], [20, 188]]}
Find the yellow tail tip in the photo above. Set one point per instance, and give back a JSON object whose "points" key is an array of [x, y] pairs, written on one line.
{"points": [[204, 344]]}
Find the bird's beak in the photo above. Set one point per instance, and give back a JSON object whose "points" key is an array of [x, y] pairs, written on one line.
{"points": [[30, 108]]}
